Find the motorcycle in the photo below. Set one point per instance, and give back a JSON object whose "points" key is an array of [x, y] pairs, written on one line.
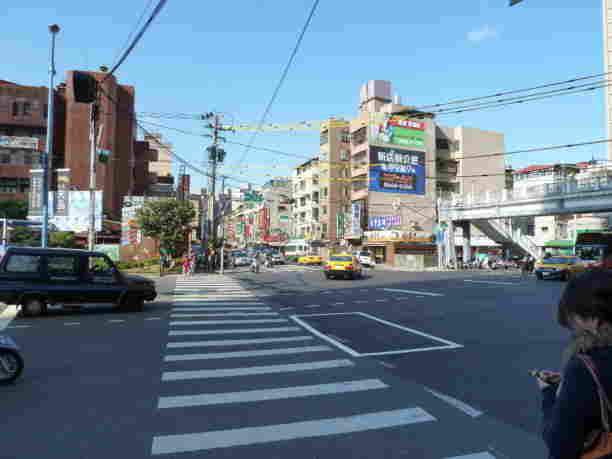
{"points": [[11, 362], [255, 267]]}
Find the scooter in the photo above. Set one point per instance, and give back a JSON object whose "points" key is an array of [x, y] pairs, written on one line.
{"points": [[11, 361], [255, 267]]}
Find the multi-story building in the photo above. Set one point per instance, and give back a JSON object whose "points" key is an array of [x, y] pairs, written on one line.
{"points": [[160, 179], [401, 162], [275, 214], [306, 210], [23, 126]]}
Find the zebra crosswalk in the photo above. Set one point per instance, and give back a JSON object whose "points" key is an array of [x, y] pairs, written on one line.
{"points": [[262, 387]]}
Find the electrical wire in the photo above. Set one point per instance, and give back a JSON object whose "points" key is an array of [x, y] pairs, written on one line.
{"points": [[127, 40], [160, 5], [282, 79]]}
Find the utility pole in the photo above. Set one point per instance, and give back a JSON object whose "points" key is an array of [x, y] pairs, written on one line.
{"points": [[92, 175], [222, 217], [216, 155]]}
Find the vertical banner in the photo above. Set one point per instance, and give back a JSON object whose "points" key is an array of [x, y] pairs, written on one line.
{"points": [[35, 204], [356, 219], [62, 194]]}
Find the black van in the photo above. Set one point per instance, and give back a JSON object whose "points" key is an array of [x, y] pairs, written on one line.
{"points": [[35, 278]]}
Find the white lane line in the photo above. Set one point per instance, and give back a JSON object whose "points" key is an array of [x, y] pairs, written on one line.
{"points": [[415, 292], [278, 393], [240, 354], [286, 309], [261, 370], [116, 320], [361, 301], [233, 332], [461, 406], [237, 342], [225, 314], [153, 318], [168, 444], [7, 316], [206, 308], [490, 282], [336, 304], [19, 326], [313, 306], [228, 322], [483, 455], [72, 323], [388, 365], [381, 301]]}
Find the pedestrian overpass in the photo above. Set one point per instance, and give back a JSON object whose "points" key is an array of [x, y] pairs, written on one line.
{"points": [[494, 212]]}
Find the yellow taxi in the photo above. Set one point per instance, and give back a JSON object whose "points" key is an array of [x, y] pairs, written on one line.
{"points": [[559, 267], [343, 265], [310, 260]]}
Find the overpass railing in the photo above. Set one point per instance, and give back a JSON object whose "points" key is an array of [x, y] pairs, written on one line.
{"points": [[549, 190]]}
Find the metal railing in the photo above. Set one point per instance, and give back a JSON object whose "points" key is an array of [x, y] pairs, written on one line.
{"points": [[551, 190], [514, 233]]}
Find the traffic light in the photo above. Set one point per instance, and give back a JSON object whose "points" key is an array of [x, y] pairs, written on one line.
{"points": [[85, 87]]}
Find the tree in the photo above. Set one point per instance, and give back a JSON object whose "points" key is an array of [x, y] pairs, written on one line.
{"points": [[14, 209], [166, 220], [63, 239], [24, 237]]}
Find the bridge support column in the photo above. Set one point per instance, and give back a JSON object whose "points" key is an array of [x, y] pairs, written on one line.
{"points": [[467, 247]]}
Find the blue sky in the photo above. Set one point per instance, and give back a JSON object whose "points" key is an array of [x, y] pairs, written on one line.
{"points": [[228, 56]]}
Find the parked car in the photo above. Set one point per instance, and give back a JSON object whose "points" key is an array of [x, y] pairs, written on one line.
{"points": [[343, 265], [278, 258], [241, 258], [36, 278], [559, 267], [365, 258], [310, 260]]}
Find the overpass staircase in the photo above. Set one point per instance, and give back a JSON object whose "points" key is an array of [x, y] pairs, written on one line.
{"points": [[504, 231]]}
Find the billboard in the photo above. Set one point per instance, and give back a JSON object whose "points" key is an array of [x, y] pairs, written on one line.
{"points": [[384, 222], [356, 218], [19, 142], [397, 171], [398, 130], [75, 207]]}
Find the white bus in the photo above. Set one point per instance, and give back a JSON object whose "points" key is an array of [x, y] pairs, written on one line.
{"points": [[297, 248]]}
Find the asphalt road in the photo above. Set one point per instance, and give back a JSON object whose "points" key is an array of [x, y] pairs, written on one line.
{"points": [[445, 353]]}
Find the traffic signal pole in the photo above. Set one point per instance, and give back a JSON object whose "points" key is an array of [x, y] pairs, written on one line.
{"points": [[92, 177]]}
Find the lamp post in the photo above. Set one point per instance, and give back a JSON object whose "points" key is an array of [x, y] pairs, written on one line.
{"points": [[48, 153]]}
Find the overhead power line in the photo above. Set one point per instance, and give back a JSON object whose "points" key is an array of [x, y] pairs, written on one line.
{"points": [[127, 40], [282, 79], [137, 38]]}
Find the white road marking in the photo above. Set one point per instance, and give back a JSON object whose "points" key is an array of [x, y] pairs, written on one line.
{"points": [[261, 370], [7, 316], [169, 444], [361, 301], [415, 292], [227, 322], [313, 306], [19, 326], [461, 406], [352, 352], [72, 323], [232, 332], [490, 282], [336, 304], [286, 309], [278, 393], [225, 314], [241, 354], [381, 301], [237, 342], [153, 318], [483, 455], [116, 320], [388, 365]]}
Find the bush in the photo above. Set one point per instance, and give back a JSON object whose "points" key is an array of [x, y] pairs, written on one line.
{"points": [[292, 259]]}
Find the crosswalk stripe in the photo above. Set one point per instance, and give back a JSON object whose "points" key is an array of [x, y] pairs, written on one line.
{"points": [[483, 455], [213, 297], [223, 303], [277, 393], [240, 354], [168, 444], [233, 331], [206, 308], [224, 314], [228, 322], [260, 370], [236, 342]]}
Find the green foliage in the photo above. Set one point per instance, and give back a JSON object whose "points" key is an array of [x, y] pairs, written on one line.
{"points": [[63, 239], [13, 209], [292, 259], [167, 220], [24, 237]]}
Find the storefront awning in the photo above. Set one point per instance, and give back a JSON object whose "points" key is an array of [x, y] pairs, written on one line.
{"points": [[561, 243]]}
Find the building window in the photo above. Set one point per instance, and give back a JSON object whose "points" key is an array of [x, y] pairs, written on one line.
{"points": [[324, 230], [15, 109], [27, 157], [45, 110], [359, 136], [344, 155], [325, 192], [324, 137], [324, 210], [26, 109], [345, 136], [442, 144]]}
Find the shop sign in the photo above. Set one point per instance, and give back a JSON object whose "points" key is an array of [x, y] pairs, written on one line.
{"points": [[397, 171], [384, 222], [397, 130], [397, 236], [356, 219], [19, 142]]}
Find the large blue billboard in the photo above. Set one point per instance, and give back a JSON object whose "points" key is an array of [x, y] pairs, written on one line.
{"points": [[397, 171]]}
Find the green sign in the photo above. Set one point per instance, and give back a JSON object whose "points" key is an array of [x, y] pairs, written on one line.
{"points": [[397, 130], [253, 196]]}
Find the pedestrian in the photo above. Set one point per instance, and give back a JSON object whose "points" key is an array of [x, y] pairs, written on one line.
{"points": [[573, 412], [192, 263], [525, 266], [186, 265]]}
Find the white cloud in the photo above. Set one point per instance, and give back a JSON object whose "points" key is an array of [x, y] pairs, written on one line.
{"points": [[486, 32]]}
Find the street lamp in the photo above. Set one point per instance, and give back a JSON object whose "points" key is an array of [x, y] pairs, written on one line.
{"points": [[48, 153]]}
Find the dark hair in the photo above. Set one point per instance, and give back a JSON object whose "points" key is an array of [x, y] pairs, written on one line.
{"points": [[588, 295]]}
